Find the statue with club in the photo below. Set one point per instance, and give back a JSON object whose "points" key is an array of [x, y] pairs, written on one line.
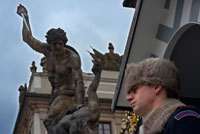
{"points": [[63, 68]]}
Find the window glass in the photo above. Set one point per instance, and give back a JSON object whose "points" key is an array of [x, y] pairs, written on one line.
{"points": [[107, 132], [104, 128], [100, 126], [100, 132]]}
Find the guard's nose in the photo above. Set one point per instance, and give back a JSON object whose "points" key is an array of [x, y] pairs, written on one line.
{"points": [[129, 97]]}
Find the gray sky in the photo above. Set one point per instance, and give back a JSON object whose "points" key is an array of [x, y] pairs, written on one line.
{"points": [[86, 22]]}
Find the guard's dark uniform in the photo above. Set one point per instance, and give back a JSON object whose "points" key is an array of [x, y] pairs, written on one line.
{"points": [[185, 120]]}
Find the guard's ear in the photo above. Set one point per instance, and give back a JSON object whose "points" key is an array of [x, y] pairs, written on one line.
{"points": [[158, 89]]}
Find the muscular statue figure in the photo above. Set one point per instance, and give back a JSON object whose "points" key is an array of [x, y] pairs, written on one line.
{"points": [[63, 67], [83, 119]]}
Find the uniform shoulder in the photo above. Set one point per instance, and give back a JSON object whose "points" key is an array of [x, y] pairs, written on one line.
{"points": [[184, 120], [186, 111]]}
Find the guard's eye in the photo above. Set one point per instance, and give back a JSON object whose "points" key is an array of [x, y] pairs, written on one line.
{"points": [[133, 89]]}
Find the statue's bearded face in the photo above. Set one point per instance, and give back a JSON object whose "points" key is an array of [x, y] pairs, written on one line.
{"points": [[57, 47]]}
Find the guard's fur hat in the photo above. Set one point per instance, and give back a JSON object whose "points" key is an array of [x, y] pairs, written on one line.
{"points": [[154, 72]]}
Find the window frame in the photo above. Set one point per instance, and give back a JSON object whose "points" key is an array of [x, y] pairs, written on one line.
{"points": [[103, 123]]}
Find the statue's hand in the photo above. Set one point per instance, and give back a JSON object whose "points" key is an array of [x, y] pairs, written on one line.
{"points": [[97, 66], [22, 10]]}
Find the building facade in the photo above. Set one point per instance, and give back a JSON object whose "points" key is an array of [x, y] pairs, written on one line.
{"points": [[166, 29]]}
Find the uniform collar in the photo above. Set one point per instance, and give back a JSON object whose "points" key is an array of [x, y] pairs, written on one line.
{"points": [[155, 121]]}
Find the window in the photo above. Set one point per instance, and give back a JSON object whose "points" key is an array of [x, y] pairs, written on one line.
{"points": [[104, 128]]}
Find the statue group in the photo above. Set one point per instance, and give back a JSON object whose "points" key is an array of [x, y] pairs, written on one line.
{"points": [[67, 112]]}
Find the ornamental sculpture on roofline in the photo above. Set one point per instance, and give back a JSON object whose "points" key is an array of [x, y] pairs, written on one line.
{"points": [[112, 61]]}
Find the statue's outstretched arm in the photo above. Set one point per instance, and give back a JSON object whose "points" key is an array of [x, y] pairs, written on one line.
{"points": [[92, 89], [26, 31]]}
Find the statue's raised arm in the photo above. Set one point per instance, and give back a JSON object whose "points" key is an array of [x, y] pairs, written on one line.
{"points": [[26, 31], [22, 11]]}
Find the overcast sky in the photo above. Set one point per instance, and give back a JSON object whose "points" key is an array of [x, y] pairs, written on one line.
{"points": [[86, 22]]}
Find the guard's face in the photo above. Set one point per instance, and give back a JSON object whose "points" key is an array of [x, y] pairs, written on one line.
{"points": [[57, 47], [141, 99]]}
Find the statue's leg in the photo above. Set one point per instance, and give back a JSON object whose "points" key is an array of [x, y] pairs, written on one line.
{"points": [[58, 108], [63, 126]]}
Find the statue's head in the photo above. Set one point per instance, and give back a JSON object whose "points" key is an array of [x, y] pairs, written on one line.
{"points": [[56, 34], [57, 39]]}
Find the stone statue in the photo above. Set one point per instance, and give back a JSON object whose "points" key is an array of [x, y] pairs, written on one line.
{"points": [[83, 119], [22, 91], [33, 68], [63, 67], [112, 61], [43, 63]]}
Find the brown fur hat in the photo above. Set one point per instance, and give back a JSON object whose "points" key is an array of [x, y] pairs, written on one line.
{"points": [[154, 72]]}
